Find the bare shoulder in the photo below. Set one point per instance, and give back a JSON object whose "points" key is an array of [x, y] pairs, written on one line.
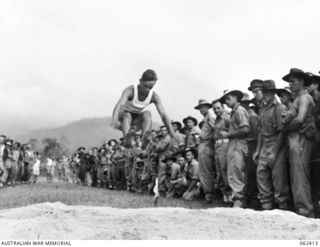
{"points": [[305, 99], [128, 91], [155, 98]]}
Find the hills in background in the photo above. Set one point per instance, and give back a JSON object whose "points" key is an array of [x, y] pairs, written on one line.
{"points": [[86, 132]]}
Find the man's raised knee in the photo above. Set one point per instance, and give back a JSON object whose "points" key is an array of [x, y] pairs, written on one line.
{"points": [[146, 115]]}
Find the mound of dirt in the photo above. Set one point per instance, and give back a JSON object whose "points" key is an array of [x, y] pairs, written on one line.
{"points": [[61, 222]]}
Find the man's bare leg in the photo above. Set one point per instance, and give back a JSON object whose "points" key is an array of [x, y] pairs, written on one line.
{"points": [[146, 127], [125, 127]]}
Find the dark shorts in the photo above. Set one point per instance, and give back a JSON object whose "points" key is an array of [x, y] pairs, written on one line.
{"points": [[137, 120]]}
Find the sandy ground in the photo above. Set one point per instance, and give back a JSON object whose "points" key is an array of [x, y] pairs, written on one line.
{"points": [[59, 221]]}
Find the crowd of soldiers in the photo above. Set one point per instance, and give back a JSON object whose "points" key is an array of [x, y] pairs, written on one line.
{"points": [[18, 163], [260, 152]]}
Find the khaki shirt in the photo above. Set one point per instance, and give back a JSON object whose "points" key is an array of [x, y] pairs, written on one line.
{"points": [[192, 171], [191, 137], [239, 119], [207, 130], [222, 123], [254, 123], [271, 119]]}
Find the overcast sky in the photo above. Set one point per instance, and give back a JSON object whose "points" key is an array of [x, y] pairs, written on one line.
{"points": [[64, 60]]}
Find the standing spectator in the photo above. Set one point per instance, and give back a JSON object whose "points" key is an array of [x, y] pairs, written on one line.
{"points": [[36, 168], [207, 172], [15, 162], [191, 131], [28, 161], [50, 169], [314, 90], [237, 146], [82, 163], [59, 169], [272, 173], [163, 150], [7, 160], [252, 139], [255, 88], [2, 147], [222, 123], [301, 130]]}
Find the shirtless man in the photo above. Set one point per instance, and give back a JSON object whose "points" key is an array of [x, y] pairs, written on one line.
{"points": [[300, 129], [129, 115]]}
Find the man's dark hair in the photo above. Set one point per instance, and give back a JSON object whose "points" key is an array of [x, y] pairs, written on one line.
{"points": [[149, 75]]}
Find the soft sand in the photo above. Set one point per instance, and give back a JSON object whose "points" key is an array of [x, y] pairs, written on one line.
{"points": [[59, 221]]}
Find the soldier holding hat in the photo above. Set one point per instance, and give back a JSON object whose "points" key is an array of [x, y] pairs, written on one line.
{"points": [[270, 155], [237, 146], [300, 131], [206, 150]]}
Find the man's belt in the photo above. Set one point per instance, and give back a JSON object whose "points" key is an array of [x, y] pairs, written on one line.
{"points": [[220, 141]]}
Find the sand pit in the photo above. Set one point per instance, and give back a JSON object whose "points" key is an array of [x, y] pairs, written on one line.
{"points": [[59, 221]]}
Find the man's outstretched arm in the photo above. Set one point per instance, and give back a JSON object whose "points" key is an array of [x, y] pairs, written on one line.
{"points": [[165, 119], [126, 94]]}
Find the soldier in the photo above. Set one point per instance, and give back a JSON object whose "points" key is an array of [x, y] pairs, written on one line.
{"points": [[300, 128], [50, 169], [177, 127], [272, 173], [286, 96], [173, 170], [36, 168], [110, 151], [163, 150], [7, 161], [237, 147], [82, 164], [206, 159], [222, 123], [314, 90], [252, 188], [191, 132], [191, 175], [147, 161], [255, 88], [118, 160], [137, 162]]}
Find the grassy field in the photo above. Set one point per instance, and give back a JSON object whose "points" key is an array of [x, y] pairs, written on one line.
{"points": [[72, 194]]}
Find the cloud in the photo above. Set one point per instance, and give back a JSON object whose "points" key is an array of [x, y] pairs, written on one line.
{"points": [[64, 60]]}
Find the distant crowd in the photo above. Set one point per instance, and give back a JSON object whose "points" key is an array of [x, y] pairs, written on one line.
{"points": [[261, 153]]}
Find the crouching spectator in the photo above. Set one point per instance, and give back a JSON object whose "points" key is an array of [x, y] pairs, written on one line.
{"points": [[188, 183]]}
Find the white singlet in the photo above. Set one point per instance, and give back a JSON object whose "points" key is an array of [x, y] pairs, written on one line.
{"points": [[136, 106]]}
